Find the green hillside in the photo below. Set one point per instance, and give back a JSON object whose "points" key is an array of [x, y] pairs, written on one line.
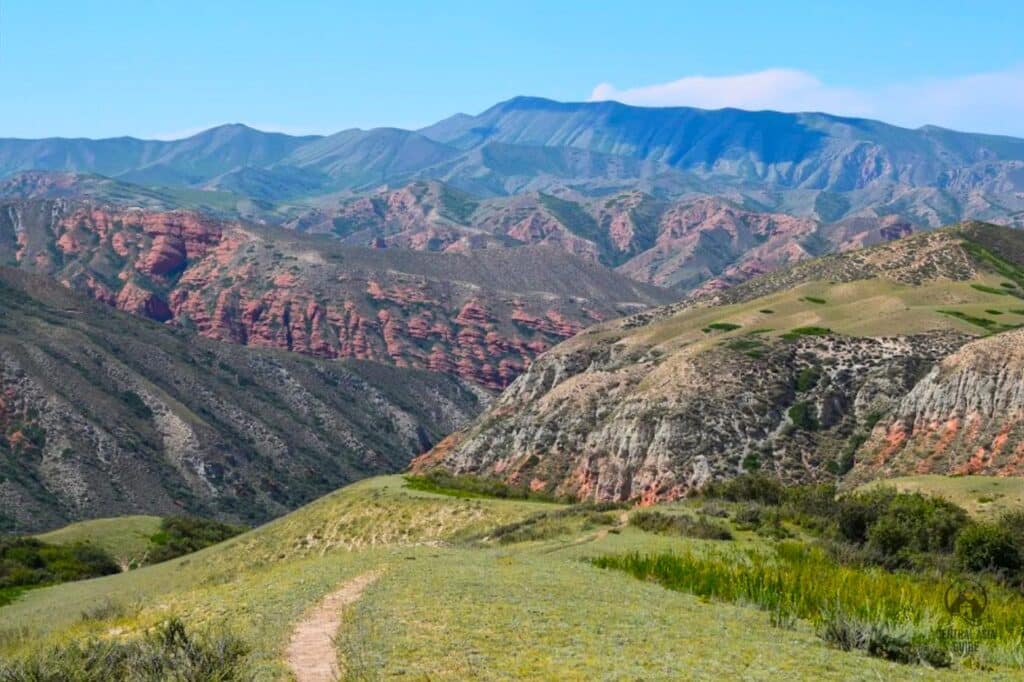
{"points": [[126, 538], [468, 587]]}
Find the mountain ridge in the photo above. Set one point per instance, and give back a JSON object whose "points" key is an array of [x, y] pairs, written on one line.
{"points": [[715, 149], [105, 413], [802, 374]]}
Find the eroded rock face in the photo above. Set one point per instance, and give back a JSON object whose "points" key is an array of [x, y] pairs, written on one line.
{"points": [[652, 406], [483, 318], [611, 423], [965, 417]]}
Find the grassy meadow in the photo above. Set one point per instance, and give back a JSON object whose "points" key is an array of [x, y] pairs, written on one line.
{"points": [[983, 496], [486, 588]]}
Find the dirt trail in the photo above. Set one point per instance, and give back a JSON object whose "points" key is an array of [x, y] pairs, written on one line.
{"points": [[311, 654], [599, 535]]}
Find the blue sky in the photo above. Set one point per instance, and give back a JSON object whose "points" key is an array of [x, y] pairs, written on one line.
{"points": [[161, 69]]}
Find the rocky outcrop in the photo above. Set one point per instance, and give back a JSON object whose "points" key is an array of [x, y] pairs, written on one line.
{"points": [[965, 417], [601, 422], [483, 318], [653, 406]]}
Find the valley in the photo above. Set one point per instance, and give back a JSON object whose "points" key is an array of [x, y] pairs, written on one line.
{"points": [[559, 390]]}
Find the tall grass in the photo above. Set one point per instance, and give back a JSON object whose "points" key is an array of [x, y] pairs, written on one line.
{"points": [[895, 616], [169, 653]]}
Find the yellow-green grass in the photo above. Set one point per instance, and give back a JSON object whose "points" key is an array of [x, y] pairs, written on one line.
{"points": [[126, 538], [984, 496], [539, 611], [448, 605], [873, 307], [259, 583]]}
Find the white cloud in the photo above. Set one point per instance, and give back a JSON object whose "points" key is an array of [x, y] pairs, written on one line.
{"points": [[985, 102]]}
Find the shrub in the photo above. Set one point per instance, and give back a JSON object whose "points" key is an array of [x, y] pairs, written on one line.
{"points": [[722, 326], [748, 517], [747, 488], [807, 378], [913, 524], [29, 562], [880, 639], [1013, 523], [894, 527], [751, 462], [443, 483], [800, 332], [802, 415], [817, 500], [179, 535], [988, 547], [700, 527], [855, 514]]}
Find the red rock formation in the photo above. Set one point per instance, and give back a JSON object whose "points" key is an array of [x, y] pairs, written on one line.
{"points": [[231, 283]]}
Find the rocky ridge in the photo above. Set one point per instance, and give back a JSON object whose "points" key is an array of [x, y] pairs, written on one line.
{"points": [[643, 409], [482, 318]]}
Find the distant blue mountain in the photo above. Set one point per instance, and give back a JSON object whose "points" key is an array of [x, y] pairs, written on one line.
{"points": [[780, 160]]}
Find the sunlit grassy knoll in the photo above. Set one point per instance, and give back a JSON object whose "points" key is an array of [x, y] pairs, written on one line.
{"points": [[986, 496], [125, 538], [257, 584]]}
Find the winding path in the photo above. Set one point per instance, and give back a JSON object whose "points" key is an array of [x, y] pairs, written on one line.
{"points": [[311, 654]]}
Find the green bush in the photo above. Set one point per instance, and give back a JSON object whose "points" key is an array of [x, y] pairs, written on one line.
{"points": [[444, 483], [683, 525], [988, 547], [722, 326], [180, 535], [27, 562], [911, 524], [880, 639], [800, 332], [802, 415], [807, 378], [747, 488]]}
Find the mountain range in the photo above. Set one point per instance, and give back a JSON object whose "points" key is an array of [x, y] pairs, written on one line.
{"points": [[664, 296], [813, 165]]}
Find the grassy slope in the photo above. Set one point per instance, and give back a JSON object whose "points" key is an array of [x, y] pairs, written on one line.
{"points": [[444, 611], [863, 308], [125, 538], [984, 496]]}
